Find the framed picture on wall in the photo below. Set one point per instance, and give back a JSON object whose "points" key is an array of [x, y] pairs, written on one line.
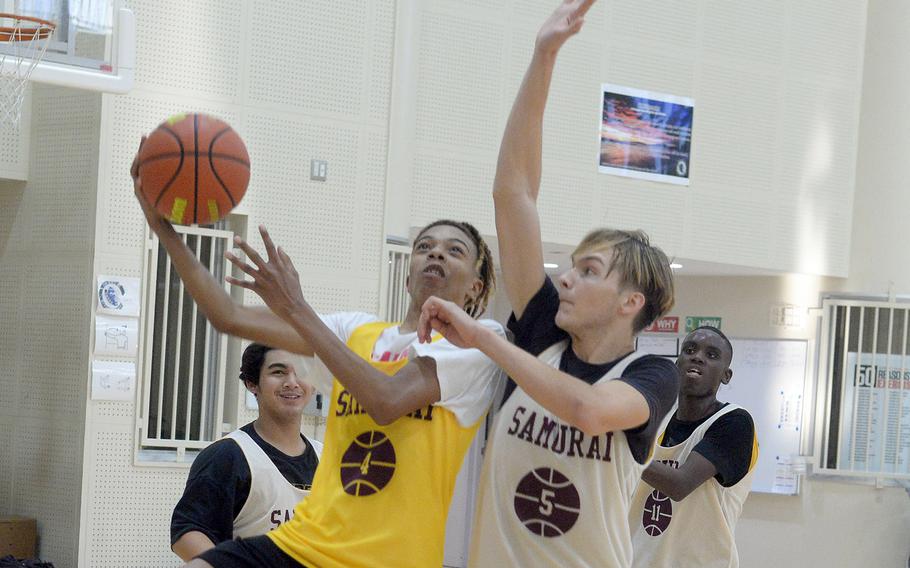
{"points": [[645, 135]]}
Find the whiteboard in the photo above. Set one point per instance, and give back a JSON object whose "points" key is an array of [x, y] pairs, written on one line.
{"points": [[768, 380]]}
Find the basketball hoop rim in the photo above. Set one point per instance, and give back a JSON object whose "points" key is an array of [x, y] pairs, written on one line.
{"points": [[10, 34]]}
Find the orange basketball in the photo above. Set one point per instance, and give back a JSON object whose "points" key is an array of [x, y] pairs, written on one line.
{"points": [[194, 169]]}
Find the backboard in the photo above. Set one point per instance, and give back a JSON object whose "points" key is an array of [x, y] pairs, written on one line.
{"points": [[93, 47]]}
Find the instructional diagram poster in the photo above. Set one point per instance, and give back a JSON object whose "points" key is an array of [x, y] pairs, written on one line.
{"points": [[645, 135], [875, 414], [113, 380], [116, 337]]}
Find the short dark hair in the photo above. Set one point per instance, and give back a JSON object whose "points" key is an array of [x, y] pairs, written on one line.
{"points": [[719, 333], [252, 361]]}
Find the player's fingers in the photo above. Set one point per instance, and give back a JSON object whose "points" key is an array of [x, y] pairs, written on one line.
{"points": [[286, 261], [270, 252], [582, 8], [240, 283], [249, 251], [423, 327], [134, 167], [239, 263]]}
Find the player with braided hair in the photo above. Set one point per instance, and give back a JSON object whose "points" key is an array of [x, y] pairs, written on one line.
{"points": [[402, 414]]}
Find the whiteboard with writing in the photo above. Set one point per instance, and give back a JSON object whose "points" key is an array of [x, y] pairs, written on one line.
{"points": [[768, 380]]}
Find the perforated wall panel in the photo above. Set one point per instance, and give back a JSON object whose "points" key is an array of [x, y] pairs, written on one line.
{"points": [[6, 465], [672, 31], [373, 203], [46, 478], [450, 187], [11, 285], [458, 82], [130, 510], [382, 32], [13, 216], [191, 48], [327, 50], [776, 92], [321, 91], [55, 325], [45, 292], [13, 157], [327, 225], [63, 178]]}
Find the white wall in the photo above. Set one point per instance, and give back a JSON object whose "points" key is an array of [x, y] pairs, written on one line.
{"points": [[776, 88], [879, 254], [830, 523], [297, 81], [46, 242]]}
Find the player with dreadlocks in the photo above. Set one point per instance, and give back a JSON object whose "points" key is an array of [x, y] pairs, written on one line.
{"points": [[402, 414]]}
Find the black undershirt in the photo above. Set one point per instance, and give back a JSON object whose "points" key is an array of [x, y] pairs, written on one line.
{"points": [[656, 378], [219, 483], [727, 444]]}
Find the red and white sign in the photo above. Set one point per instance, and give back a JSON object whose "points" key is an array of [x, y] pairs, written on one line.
{"points": [[669, 324]]}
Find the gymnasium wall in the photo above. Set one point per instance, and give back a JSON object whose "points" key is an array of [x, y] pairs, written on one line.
{"points": [[777, 92], [297, 83], [879, 255], [776, 87], [46, 244], [830, 523]]}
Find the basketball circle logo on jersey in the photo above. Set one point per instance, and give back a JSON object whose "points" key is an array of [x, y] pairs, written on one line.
{"points": [[368, 464], [657, 514], [547, 503]]}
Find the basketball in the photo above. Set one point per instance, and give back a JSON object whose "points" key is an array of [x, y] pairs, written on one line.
{"points": [[368, 464], [547, 503], [657, 514], [194, 169]]}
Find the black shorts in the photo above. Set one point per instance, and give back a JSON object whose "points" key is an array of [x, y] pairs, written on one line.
{"points": [[248, 553]]}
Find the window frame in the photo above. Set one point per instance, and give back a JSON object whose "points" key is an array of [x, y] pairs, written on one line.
{"points": [[172, 450]]}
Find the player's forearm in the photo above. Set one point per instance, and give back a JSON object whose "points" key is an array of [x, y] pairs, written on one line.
{"points": [[252, 323], [518, 168], [569, 398], [213, 301], [372, 388], [191, 545], [668, 480]]}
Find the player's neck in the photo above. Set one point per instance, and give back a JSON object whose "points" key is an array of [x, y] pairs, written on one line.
{"points": [[692, 409], [602, 345], [409, 323], [412, 317], [282, 434]]}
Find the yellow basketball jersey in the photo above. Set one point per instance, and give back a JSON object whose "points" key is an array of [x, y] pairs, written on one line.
{"points": [[381, 494]]}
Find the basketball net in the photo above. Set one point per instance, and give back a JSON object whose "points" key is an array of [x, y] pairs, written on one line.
{"points": [[27, 38]]}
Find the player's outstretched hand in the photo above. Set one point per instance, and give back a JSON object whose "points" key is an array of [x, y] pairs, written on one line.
{"points": [[562, 24], [155, 219], [275, 279], [450, 320]]}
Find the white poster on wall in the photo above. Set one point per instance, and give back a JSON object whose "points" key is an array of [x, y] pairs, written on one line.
{"points": [[113, 380], [875, 414], [118, 295], [116, 336]]}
